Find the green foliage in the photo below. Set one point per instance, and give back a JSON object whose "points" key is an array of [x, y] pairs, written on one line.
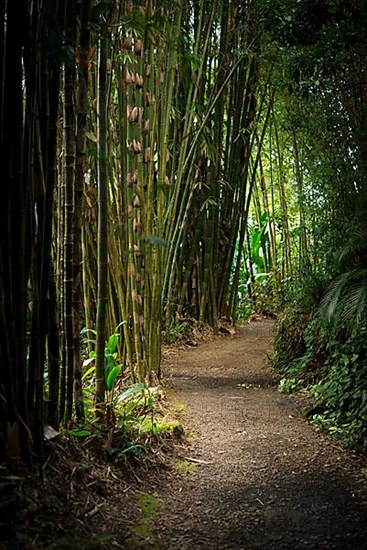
{"points": [[346, 297], [129, 422], [264, 298], [332, 365], [111, 369], [289, 385], [257, 288], [259, 242], [343, 388], [306, 291], [180, 331], [129, 411], [288, 343]]}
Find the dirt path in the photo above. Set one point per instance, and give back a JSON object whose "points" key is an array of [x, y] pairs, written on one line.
{"points": [[263, 477]]}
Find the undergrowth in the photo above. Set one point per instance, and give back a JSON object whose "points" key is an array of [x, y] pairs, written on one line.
{"points": [[328, 362]]}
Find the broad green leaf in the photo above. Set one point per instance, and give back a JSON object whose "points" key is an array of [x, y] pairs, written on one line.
{"points": [[109, 363], [88, 340], [112, 343], [111, 379]]}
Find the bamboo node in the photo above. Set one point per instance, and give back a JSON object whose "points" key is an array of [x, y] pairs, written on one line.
{"points": [[136, 146], [146, 155], [139, 81], [130, 148], [137, 250], [126, 46], [138, 47], [130, 77], [129, 180], [136, 201], [136, 225], [134, 115]]}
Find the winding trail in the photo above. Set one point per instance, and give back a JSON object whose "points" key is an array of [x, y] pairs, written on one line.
{"points": [[264, 478]]}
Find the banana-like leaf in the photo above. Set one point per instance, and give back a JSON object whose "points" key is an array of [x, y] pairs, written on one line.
{"points": [[111, 379], [112, 343]]}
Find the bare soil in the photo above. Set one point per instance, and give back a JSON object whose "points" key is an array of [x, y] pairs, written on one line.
{"points": [[256, 474]]}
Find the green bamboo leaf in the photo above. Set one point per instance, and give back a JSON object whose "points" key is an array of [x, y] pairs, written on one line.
{"points": [[88, 372], [88, 340], [85, 330]]}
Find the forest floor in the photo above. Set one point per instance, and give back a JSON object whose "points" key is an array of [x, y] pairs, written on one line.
{"points": [[250, 473]]}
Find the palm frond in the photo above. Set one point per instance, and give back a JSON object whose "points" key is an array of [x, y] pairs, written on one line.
{"points": [[356, 243], [353, 304], [332, 296], [346, 297]]}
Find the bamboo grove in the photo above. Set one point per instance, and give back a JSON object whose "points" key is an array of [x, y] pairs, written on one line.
{"points": [[127, 131], [158, 170]]}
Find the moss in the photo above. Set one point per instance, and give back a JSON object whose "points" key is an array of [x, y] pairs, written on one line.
{"points": [[164, 427], [179, 407], [150, 506], [191, 437], [170, 427], [185, 466]]}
